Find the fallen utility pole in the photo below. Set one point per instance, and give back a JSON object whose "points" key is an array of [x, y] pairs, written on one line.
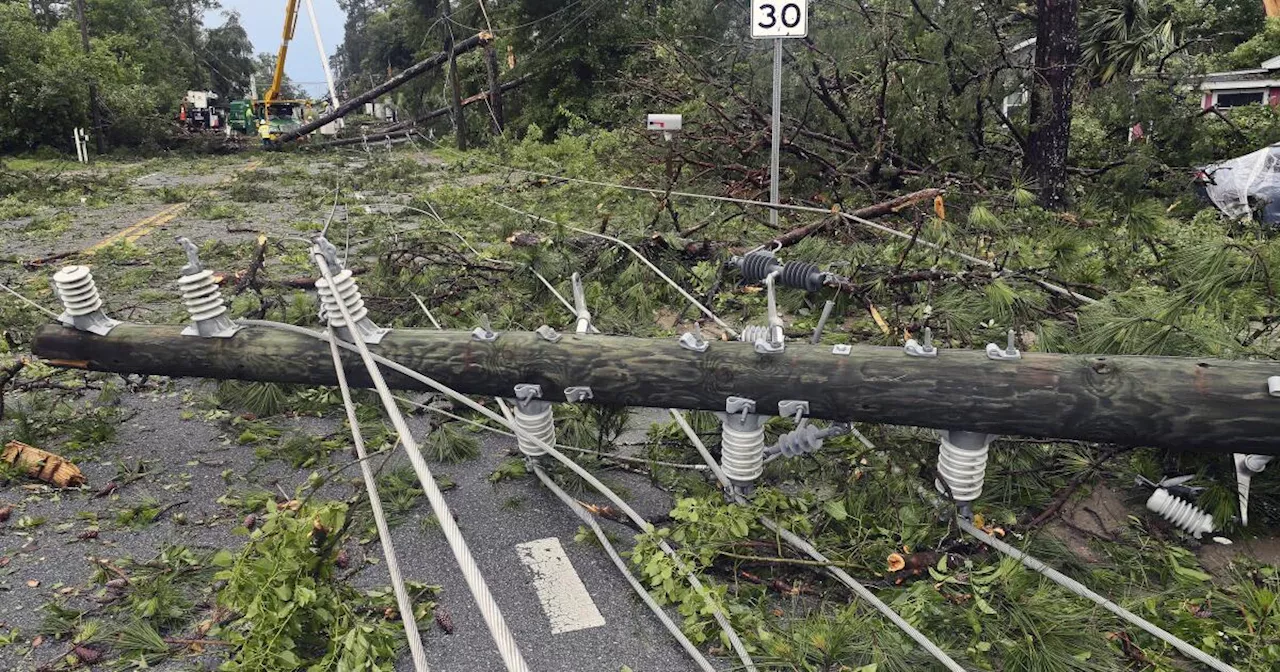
{"points": [[440, 112], [388, 86], [1170, 402], [396, 132]]}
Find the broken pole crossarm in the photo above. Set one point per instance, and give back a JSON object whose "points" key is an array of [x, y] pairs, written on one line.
{"points": [[354, 103], [1169, 402]]}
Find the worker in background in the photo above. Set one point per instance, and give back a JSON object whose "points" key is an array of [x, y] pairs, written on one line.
{"points": [[264, 130]]}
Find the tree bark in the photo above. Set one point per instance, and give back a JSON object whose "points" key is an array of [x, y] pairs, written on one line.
{"points": [[459, 121], [1057, 56], [1171, 402], [495, 87]]}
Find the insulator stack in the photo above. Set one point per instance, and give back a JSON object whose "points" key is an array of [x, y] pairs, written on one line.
{"points": [[345, 290], [742, 448], [753, 332], [82, 306], [757, 266], [962, 464], [536, 419], [801, 275], [201, 296], [77, 291], [806, 439], [1182, 514]]}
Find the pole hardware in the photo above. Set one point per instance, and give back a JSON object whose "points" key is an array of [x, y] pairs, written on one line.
{"points": [[201, 296], [693, 340], [576, 395], [484, 333], [580, 306], [82, 306], [917, 349], [1009, 354], [346, 292], [546, 333]]}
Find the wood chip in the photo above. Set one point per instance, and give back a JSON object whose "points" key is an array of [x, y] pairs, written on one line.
{"points": [[43, 465]]}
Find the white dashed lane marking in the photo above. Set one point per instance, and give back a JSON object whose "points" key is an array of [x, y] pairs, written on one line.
{"points": [[564, 598]]}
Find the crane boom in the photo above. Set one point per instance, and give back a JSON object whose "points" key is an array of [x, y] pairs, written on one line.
{"points": [[290, 22]]}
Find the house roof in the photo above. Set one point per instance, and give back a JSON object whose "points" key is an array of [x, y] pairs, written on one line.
{"points": [[1264, 75]]}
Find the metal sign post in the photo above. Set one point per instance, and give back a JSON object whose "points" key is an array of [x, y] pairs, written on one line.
{"points": [[776, 20]]}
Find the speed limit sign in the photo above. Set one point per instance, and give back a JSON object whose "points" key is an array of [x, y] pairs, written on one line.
{"points": [[779, 18]]}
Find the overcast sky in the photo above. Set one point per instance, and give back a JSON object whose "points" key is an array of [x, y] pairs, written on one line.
{"points": [[264, 22]]}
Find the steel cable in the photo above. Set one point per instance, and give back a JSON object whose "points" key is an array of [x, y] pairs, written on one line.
{"points": [[621, 564], [489, 609], [380, 520], [734, 640], [808, 548]]}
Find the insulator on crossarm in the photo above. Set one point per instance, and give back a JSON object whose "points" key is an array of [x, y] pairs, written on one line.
{"points": [[346, 291], [806, 439], [82, 306], [533, 418], [962, 465], [741, 443], [1182, 514], [203, 299]]}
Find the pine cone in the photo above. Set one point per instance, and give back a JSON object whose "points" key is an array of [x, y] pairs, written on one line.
{"points": [[444, 620]]}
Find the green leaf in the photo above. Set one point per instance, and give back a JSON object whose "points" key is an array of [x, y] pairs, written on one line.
{"points": [[835, 508]]}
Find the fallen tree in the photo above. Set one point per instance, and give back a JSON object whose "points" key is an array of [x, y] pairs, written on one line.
{"points": [[1181, 403], [388, 86], [399, 132]]}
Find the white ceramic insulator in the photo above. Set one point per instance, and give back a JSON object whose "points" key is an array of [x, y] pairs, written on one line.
{"points": [[77, 290], [1183, 514], [741, 453], [962, 462], [345, 290], [754, 332], [540, 425], [201, 296]]}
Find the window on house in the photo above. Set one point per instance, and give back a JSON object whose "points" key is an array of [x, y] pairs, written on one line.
{"points": [[1227, 99]]}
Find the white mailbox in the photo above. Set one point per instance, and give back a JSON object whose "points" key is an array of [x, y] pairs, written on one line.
{"points": [[665, 122]]}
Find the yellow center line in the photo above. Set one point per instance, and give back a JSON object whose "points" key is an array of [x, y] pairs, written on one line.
{"points": [[150, 223]]}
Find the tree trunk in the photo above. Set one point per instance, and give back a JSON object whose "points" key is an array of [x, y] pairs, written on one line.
{"points": [[459, 121], [98, 140], [1172, 402], [1057, 56], [495, 88]]}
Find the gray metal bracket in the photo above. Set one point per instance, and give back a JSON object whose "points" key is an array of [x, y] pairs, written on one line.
{"points": [[793, 408], [546, 333], [693, 340], [925, 349], [1009, 354], [578, 394]]}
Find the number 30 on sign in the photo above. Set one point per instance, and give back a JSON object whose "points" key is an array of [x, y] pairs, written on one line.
{"points": [[779, 18]]}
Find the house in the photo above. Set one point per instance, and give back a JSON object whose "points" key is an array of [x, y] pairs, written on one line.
{"points": [[1224, 90]]}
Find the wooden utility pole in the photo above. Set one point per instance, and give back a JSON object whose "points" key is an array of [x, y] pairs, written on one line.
{"points": [[459, 121], [1171, 402], [495, 88], [1057, 56], [1272, 7], [98, 140]]}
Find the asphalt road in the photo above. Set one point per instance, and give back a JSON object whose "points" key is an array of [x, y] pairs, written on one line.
{"points": [[188, 460]]}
